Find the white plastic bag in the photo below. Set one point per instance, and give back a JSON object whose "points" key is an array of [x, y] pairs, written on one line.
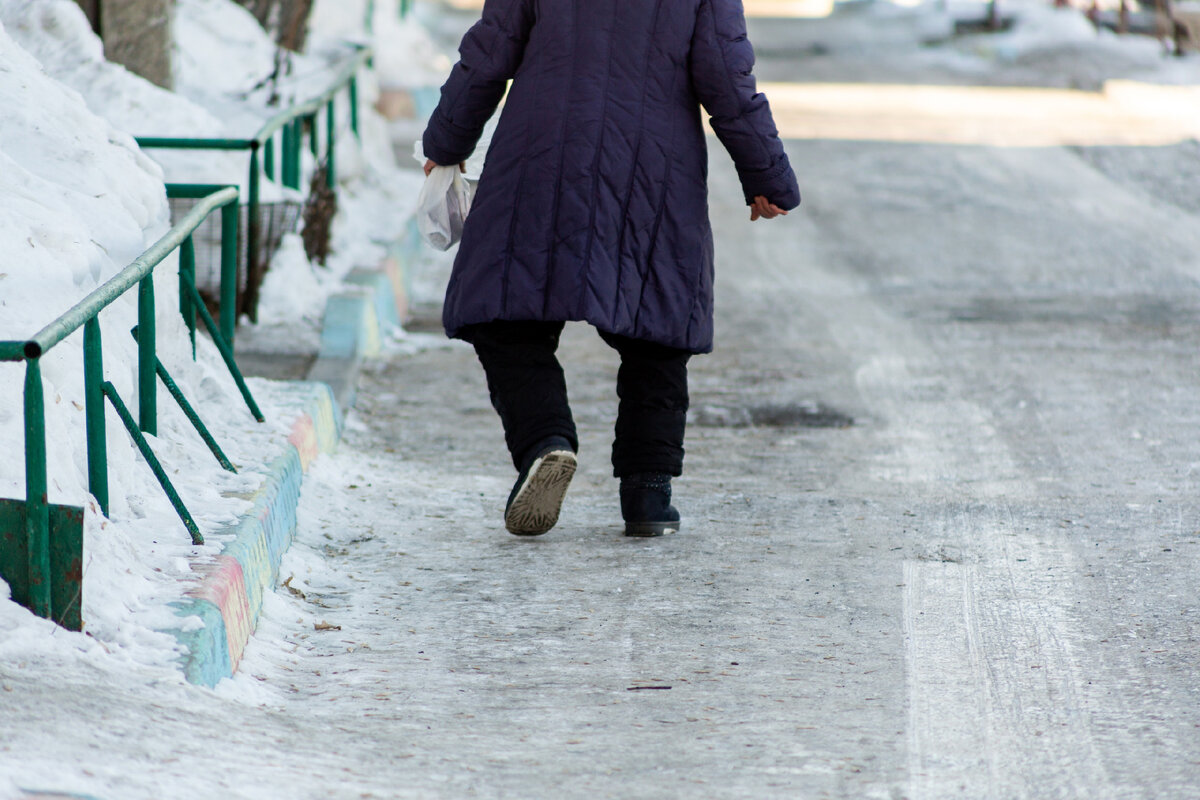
{"points": [[442, 206]]}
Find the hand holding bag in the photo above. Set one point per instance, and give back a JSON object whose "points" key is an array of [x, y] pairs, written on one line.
{"points": [[442, 206]]}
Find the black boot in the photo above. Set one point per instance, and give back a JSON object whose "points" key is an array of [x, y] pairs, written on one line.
{"points": [[646, 504], [537, 496]]}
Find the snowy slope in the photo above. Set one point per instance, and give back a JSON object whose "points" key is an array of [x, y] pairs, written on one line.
{"points": [[78, 202]]}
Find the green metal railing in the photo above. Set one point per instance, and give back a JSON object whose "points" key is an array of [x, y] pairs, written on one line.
{"points": [[85, 314], [288, 127]]}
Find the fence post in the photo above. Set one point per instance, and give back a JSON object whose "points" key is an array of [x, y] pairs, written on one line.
{"points": [[229, 269], [147, 385], [187, 276], [37, 508], [252, 266], [330, 146], [269, 157], [298, 146], [93, 403], [288, 170]]}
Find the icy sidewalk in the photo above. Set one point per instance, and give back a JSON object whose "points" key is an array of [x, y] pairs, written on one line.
{"points": [[980, 587], [474, 662]]}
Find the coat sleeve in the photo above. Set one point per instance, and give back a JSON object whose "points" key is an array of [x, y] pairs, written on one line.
{"points": [[721, 63], [489, 56]]}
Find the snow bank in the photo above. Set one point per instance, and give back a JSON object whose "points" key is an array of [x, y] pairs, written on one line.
{"points": [[1049, 46], [78, 202], [58, 35]]}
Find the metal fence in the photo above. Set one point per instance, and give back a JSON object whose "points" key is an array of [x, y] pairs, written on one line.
{"points": [[30, 561], [275, 152]]}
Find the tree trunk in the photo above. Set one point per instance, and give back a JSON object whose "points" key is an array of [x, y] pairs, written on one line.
{"points": [[285, 20], [136, 34]]}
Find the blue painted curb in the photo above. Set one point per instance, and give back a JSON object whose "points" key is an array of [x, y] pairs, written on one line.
{"points": [[357, 321]]}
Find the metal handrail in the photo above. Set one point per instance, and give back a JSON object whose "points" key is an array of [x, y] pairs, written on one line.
{"points": [[85, 314], [290, 124], [347, 73], [125, 280]]}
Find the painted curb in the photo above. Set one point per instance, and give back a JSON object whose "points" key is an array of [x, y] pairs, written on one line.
{"points": [[358, 320], [221, 611]]}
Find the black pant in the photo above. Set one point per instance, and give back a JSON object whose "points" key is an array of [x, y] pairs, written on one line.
{"points": [[529, 392]]}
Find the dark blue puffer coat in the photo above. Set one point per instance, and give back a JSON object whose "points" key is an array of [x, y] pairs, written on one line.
{"points": [[593, 201]]}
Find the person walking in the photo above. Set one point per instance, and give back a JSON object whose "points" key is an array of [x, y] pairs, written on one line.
{"points": [[592, 206]]}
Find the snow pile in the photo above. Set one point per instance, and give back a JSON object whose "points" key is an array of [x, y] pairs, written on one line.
{"points": [[78, 202], [1059, 47], [291, 288], [942, 41], [57, 33], [228, 64], [1040, 29], [230, 79]]}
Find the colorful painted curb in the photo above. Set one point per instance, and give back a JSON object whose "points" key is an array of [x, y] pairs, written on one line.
{"points": [[222, 610], [357, 321]]}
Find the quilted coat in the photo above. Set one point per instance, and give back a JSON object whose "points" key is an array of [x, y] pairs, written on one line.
{"points": [[592, 204]]}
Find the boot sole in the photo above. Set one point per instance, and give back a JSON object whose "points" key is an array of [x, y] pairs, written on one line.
{"points": [[645, 530], [534, 509]]}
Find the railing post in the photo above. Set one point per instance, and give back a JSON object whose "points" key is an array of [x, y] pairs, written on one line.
{"points": [[187, 277], [37, 507], [229, 269], [354, 107], [93, 403], [297, 146], [269, 157], [147, 385], [330, 146], [252, 265], [287, 175]]}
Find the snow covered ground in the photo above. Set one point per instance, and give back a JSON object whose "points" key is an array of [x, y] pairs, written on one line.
{"points": [[416, 650]]}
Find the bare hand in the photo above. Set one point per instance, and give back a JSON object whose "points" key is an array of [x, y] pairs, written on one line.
{"points": [[429, 165], [761, 207]]}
